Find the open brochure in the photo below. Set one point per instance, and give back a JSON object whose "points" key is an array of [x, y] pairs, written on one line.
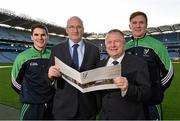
{"points": [[91, 80]]}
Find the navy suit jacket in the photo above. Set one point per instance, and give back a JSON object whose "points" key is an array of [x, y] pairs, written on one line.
{"points": [[70, 103], [129, 107]]}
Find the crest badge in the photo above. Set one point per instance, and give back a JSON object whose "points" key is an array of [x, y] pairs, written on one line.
{"points": [[85, 75], [146, 51]]}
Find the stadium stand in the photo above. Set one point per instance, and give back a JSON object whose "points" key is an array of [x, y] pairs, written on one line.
{"points": [[8, 57], [15, 36], [14, 40]]}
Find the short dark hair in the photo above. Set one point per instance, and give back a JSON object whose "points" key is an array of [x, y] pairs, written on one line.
{"points": [[39, 25], [137, 13], [116, 30]]}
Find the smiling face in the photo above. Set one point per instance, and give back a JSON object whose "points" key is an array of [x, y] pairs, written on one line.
{"points": [[115, 44], [75, 29], [40, 38], [138, 25]]}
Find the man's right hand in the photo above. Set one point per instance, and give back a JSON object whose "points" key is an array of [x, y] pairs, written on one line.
{"points": [[53, 72]]}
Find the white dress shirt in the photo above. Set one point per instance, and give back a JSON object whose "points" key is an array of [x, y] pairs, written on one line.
{"points": [[110, 63], [80, 50]]}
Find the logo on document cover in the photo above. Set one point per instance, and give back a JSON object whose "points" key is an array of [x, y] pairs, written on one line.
{"points": [[85, 75]]}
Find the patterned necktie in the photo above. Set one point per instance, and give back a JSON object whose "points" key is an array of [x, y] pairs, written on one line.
{"points": [[75, 57], [115, 62]]}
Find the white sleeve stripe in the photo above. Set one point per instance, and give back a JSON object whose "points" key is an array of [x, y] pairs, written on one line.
{"points": [[168, 76], [18, 86]]}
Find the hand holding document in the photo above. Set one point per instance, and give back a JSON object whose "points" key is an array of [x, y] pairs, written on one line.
{"points": [[91, 80]]}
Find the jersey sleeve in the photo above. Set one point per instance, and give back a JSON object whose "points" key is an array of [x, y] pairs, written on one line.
{"points": [[17, 73], [166, 68]]}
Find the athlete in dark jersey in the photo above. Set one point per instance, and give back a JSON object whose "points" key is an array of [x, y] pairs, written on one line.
{"points": [[157, 57], [29, 78]]}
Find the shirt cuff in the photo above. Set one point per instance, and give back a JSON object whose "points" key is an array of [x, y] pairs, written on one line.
{"points": [[123, 93]]}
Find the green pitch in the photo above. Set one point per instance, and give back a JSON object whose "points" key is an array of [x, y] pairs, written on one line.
{"points": [[7, 94], [171, 102]]}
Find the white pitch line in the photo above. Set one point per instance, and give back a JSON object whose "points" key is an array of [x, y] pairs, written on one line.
{"points": [[5, 66]]}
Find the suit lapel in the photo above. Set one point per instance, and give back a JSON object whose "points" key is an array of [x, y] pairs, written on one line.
{"points": [[67, 59], [104, 62], [124, 64], [86, 51]]}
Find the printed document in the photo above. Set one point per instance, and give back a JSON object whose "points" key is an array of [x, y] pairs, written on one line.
{"points": [[96, 79]]}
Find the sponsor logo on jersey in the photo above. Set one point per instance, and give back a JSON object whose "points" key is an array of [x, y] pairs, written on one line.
{"points": [[33, 64]]}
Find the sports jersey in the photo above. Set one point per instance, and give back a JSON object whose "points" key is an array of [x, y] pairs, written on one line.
{"points": [[159, 64], [29, 76]]}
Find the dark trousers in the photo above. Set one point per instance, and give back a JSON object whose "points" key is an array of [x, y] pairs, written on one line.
{"points": [[36, 111], [154, 112]]}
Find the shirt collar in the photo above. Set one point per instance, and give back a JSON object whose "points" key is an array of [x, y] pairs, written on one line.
{"points": [[109, 63], [37, 51], [132, 37], [71, 43]]}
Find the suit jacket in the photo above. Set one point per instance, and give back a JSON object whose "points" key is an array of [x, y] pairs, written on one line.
{"points": [[70, 103], [129, 107]]}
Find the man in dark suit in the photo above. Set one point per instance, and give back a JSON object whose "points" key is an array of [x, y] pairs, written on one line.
{"points": [[126, 102], [70, 103]]}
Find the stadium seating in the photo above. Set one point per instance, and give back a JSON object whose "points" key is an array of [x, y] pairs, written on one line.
{"points": [[16, 40], [13, 41], [8, 57], [172, 42]]}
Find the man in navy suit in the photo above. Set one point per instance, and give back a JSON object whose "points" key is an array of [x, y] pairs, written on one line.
{"points": [[126, 102], [70, 103]]}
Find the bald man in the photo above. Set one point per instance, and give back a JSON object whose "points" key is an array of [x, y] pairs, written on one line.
{"points": [[70, 103]]}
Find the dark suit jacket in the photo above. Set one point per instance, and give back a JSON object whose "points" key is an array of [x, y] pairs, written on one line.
{"points": [[129, 107], [70, 103]]}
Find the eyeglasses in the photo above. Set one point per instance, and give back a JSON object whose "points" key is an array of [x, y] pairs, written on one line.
{"points": [[75, 27]]}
